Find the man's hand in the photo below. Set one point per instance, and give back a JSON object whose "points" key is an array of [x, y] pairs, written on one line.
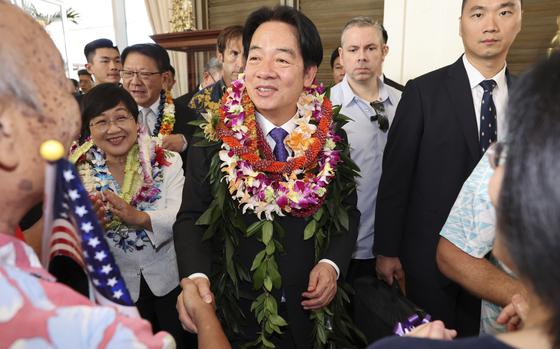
{"points": [[433, 330], [514, 314], [389, 268], [174, 142], [321, 288], [194, 293]]}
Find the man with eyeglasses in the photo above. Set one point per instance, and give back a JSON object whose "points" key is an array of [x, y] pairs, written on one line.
{"points": [[212, 74], [371, 105], [146, 71]]}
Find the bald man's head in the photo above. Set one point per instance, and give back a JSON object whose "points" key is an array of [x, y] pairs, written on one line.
{"points": [[36, 104]]}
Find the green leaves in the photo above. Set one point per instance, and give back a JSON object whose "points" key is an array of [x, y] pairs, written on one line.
{"points": [[266, 232], [309, 230]]}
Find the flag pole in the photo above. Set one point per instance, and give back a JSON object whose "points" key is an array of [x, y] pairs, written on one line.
{"points": [[51, 151]]}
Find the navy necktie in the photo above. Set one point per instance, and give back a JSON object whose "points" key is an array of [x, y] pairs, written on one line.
{"points": [[280, 151], [488, 124]]}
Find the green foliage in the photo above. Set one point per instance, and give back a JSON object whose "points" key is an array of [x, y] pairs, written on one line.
{"points": [[333, 326]]}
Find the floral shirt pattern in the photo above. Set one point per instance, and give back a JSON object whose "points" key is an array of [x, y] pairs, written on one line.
{"points": [[471, 227], [37, 312]]}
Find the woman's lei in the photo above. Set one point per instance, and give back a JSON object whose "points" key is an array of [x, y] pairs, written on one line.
{"points": [[166, 115], [245, 174], [141, 184]]}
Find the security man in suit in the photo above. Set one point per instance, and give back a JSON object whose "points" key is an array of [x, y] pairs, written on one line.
{"points": [[445, 121]]}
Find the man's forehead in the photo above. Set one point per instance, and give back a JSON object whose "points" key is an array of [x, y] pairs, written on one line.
{"points": [[139, 59], [234, 43], [105, 52], [367, 33], [472, 5]]}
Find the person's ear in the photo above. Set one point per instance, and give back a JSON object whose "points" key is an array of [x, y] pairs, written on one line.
{"points": [[8, 155], [88, 68], [385, 51], [166, 79], [309, 75]]}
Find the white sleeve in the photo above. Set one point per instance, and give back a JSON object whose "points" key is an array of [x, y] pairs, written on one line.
{"points": [[164, 216]]}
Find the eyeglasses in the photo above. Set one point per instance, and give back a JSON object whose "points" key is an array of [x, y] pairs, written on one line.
{"points": [[380, 116], [142, 75], [104, 125], [497, 154]]}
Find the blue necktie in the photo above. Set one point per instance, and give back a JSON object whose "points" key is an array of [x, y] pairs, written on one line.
{"points": [[280, 151], [488, 124]]}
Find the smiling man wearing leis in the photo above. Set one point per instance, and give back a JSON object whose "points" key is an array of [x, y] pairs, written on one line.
{"points": [[269, 206]]}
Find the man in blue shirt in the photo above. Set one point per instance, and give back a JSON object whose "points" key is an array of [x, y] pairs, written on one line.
{"points": [[371, 105]]}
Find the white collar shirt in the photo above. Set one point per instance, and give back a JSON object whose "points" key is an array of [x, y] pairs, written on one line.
{"points": [[499, 95], [150, 119]]}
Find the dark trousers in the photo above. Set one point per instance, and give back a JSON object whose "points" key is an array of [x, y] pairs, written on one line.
{"points": [[360, 268], [162, 314], [456, 307]]}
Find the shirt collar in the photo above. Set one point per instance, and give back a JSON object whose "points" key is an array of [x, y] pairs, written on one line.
{"points": [[475, 77], [154, 107], [348, 95], [267, 126]]}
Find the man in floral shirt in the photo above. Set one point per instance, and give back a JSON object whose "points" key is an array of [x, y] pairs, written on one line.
{"points": [[36, 311]]}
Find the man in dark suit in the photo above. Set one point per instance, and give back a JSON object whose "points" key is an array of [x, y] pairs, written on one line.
{"points": [[145, 74], [445, 121], [283, 51]]}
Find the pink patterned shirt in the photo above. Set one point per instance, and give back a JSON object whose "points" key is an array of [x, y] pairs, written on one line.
{"points": [[37, 312]]}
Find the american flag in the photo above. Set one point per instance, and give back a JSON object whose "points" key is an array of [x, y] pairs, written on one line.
{"points": [[77, 233]]}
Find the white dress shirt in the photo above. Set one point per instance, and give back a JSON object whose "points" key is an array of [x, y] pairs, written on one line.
{"points": [[499, 95], [367, 143], [148, 118]]}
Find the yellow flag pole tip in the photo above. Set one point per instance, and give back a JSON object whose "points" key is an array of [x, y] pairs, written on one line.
{"points": [[52, 150]]}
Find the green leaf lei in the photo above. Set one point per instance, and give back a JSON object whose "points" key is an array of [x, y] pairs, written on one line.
{"points": [[333, 325]]}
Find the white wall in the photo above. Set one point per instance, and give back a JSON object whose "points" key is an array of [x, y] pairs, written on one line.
{"points": [[423, 36]]}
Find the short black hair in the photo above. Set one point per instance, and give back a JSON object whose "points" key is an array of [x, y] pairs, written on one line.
{"points": [[528, 210], [101, 98], [308, 37], [75, 83], [334, 56], [465, 1], [90, 48], [172, 70], [84, 72], [154, 51]]}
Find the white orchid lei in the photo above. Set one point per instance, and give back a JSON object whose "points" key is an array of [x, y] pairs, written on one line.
{"points": [[243, 173], [295, 187]]}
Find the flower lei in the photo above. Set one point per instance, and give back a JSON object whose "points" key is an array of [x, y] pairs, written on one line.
{"points": [[141, 184], [166, 115], [244, 173], [297, 186]]}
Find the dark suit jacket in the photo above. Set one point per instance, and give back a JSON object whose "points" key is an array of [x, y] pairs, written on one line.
{"points": [[195, 255], [182, 117], [186, 98], [432, 148]]}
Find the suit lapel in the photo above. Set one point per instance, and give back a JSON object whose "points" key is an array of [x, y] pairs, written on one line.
{"points": [[458, 87]]}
